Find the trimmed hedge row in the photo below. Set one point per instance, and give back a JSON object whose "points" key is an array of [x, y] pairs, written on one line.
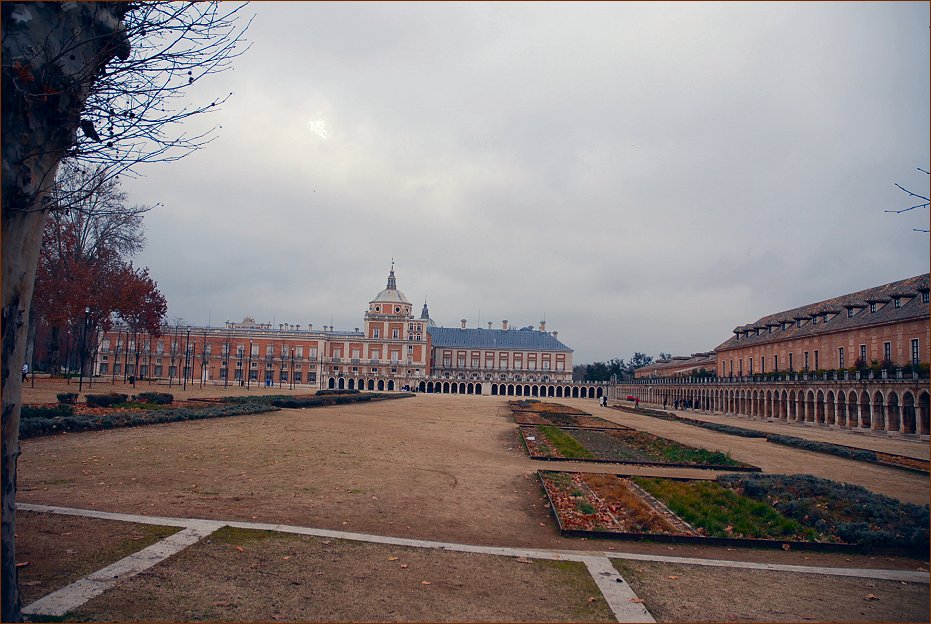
{"points": [[853, 513], [68, 398], [43, 425], [106, 400], [325, 392], [323, 397], [155, 398], [28, 412]]}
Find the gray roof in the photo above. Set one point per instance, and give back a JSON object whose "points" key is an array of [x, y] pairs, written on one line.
{"points": [[912, 309], [478, 338]]}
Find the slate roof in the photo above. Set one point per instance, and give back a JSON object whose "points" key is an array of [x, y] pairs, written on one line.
{"points": [[477, 338], [911, 309], [696, 360]]}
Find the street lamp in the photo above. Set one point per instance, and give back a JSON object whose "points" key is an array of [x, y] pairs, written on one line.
{"points": [[87, 312], [291, 377], [187, 350]]}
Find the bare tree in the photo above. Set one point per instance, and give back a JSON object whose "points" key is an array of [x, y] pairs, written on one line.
{"points": [[925, 200], [114, 70]]}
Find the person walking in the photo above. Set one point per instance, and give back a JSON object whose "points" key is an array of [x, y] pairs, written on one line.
{"points": [[25, 372]]}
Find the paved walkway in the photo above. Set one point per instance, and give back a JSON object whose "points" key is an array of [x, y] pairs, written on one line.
{"points": [[619, 596]]}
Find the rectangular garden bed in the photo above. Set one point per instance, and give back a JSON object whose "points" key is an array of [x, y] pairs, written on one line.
{"points": [[567, 421], [543, 407], [747, 510], [623, 446]]}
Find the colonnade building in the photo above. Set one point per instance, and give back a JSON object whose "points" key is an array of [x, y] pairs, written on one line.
{"points": [[393, 350]]}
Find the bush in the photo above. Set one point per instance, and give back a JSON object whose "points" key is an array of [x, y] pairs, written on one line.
{"points": [[28, 412], [155, 398], [106, 400], [325, 392], [68, 398]]}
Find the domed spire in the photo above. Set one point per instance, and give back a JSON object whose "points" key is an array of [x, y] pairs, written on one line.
{"points": [[392, 283], [425, 313]]}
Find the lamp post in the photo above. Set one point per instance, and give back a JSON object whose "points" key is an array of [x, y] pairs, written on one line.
{"points": [[193, 359], [87, 312], [291, 376], [249, 369], [187, 345]]}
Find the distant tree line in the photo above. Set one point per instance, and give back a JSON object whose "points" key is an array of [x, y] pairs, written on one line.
{"points": [[615, 367]]}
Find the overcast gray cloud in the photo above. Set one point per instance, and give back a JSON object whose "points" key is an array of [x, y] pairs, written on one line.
{"points": [[647, 176]]}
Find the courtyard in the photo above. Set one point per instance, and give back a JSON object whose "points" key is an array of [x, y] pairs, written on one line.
{"points": [[435, 469]]}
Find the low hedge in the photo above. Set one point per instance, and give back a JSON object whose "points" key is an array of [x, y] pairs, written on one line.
{"points": [[155, 398], [325, 392], [68, 398], [851, 512], [45, 425], [106, 400], [28, 412]]}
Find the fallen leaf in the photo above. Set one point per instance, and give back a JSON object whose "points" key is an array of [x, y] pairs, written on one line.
{"points": [[637, 600], [392, 558], [591, 599], [240, 549], [524, 560], [326, 542], [871, 597], [286, 557], [404, 566], [22, 565], [424, 582], [673, 577]]}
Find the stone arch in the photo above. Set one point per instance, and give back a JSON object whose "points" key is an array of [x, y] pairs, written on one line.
{"points": [[559, 391], [793, 407], [381, 384], [331, 384], [535, 390], [830, 416], [909, 424], [511, 389], [841, 410], [893, 422], [445, 387], [478, 388], [371, 384], [784, 405], [430, 387], [866, 417], [879, 411], [551, 391], [462, 388], [494, 389], [808, 409], [352, 384], [575, 392], [819, 408], [591, 393], [470, 389], [852, 409], [923, 409], [423, 386], [599, 393]]}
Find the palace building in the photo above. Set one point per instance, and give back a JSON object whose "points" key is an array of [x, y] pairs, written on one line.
{"points": [[394, 350]]}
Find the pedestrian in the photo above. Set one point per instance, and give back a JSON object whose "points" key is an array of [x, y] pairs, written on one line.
{"points": [[675, 404], [637, 403], [25, 372], [664, 403]]}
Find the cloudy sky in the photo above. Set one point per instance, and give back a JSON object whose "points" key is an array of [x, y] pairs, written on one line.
{"points": [[643, 176]]}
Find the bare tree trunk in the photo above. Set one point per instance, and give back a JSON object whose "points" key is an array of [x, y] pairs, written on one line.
{"points": [[44, 90]]}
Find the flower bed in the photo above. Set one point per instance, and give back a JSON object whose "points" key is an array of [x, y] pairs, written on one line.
{"points": [[577, 421], [769, 510], [542, 407], [621, 446]]}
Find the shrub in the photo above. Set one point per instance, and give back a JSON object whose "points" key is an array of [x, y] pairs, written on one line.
{"points": [[325, 392], [68, 398], [106, 400], [155, 398], [29, 412]]}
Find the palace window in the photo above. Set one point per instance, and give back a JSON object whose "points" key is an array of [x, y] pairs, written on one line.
{"points": [[850, 312], [816, 360], [806, 360], [897, 303], [915, 353], [924, 297], [395, 333], [872, 307], [887, 351], [375, 332], [791, 366], [840, 357], [863, 354]]}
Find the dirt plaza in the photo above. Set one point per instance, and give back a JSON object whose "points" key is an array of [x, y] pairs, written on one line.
{"points": [[432, 467]]}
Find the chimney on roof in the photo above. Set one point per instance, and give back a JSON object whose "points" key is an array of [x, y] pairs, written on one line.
{"points": [[489, 324], [357, 330], [463, 321], [542, 326], [310, 327], [298, 326], [555, 333], [504, 324]]}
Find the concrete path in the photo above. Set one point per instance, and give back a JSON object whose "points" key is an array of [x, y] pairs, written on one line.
{"points": [[624, 603]]}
